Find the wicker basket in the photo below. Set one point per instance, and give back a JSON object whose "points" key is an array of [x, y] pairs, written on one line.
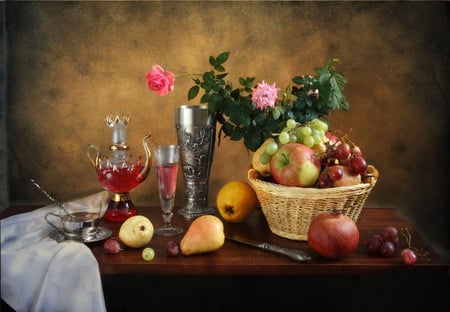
{"points": [[290, 210]]}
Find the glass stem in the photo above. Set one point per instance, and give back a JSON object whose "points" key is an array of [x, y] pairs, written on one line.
{"points": [[167, 216]]}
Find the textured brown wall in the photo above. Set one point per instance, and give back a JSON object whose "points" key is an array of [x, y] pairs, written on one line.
{"points": [[70, 64]]}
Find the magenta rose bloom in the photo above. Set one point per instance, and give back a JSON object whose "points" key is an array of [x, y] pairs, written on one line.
{"points": [[160, 81], [265, 95]]}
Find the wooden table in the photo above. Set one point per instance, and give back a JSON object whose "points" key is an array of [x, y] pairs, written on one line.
{"points": [[237, 259], [238, 277]]}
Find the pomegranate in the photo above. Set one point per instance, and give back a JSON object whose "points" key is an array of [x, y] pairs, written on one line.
{"points": [[333, 235]]}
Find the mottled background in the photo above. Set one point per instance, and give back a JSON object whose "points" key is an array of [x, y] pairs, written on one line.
{"points": [[69, 64]]}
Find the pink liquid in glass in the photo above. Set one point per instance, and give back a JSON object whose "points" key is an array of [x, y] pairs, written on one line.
{"points": [[167, 180]]}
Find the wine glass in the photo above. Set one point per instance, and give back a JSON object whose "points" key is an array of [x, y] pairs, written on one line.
{"points": [[167, 161]]}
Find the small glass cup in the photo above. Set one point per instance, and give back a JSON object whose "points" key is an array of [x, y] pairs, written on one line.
{"points": [[167, 162]]}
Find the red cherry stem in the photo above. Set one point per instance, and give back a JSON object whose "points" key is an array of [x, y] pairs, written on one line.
{"points": [[419, 252]]}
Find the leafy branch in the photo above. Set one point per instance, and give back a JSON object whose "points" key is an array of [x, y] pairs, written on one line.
{"points": [[310, 97]]}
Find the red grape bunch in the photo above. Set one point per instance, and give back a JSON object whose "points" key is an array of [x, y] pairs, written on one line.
{"points": [[343, 164], [386, 243], [346, 153]]}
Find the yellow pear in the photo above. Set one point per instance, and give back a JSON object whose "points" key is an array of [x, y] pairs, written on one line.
{"points": [[136, 231], [205, 234], [262, 169]]}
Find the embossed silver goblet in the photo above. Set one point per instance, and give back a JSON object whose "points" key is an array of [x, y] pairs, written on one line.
{"points": [[196, 130]]}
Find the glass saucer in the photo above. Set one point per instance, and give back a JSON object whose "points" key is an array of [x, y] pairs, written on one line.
{"points": [[101, 234]]}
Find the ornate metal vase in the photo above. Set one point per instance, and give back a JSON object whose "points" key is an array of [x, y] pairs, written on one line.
{"points": [[196, 130]]}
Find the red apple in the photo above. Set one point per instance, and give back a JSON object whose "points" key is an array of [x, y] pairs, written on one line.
{"points": [[295, 164]]}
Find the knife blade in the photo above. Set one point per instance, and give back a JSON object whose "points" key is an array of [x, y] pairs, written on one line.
{"points": [[294, 254]]}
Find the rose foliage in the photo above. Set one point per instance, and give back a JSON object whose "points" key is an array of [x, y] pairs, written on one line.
{"points": [[254, 112]]}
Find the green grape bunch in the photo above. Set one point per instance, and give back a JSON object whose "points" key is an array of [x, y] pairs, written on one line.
{"points": [[311, 134]]}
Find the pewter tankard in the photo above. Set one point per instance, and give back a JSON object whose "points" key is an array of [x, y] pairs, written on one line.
{"points": [[196, 130]]}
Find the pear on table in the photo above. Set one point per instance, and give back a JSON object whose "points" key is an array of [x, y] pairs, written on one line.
{"points": [[205, 234], [136, 231]]}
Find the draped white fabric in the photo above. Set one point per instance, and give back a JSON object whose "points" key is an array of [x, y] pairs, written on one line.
{"points": [[40, 274]]}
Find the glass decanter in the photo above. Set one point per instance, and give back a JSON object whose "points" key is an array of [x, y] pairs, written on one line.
{"points": [[120, 173]]}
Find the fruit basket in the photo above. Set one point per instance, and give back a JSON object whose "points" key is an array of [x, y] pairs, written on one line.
{"points": [[289, 210]]}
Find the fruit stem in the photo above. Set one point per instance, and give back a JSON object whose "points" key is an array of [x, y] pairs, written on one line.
{"points": [[335, 211], [408, 238]]}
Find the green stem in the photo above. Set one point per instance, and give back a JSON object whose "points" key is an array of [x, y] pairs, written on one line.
{"points": [[187, 74]]}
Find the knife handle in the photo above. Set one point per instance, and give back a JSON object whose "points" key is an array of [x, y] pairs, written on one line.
{"points": [[293, 254]]}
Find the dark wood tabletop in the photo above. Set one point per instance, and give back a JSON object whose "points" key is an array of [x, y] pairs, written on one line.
{"points": [[238, 259], [221, 280]]}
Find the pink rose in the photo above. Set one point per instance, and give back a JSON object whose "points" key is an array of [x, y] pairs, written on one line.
{"points": [[160, 81], [265, 95]]}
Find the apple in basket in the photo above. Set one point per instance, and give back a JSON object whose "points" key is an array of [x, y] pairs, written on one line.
{"points": [[295, 164]]}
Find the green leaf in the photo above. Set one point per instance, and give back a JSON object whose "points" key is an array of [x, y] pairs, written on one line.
{"points": [[221, 76], [212, 61], [220, 118], [205, 98], [259, 119], [227, 128], [212, 107], [222, 58], [340, 80], [236, 134], [205, 86], [323, 79], [239, 118], [250, 80], [215, 97], [253, 140], [321, 71], [193, 92], [208, 77], [344, 104], [219, 68], [299, 80], [276, 113]]}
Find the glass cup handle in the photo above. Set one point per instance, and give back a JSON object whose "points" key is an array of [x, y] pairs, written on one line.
{"points": [[49, 222]]}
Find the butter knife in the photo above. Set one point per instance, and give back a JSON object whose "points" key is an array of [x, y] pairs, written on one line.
{"points": [[296, 255]]}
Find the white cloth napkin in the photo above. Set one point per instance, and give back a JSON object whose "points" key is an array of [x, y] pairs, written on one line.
{"points": [[40, 274]]}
